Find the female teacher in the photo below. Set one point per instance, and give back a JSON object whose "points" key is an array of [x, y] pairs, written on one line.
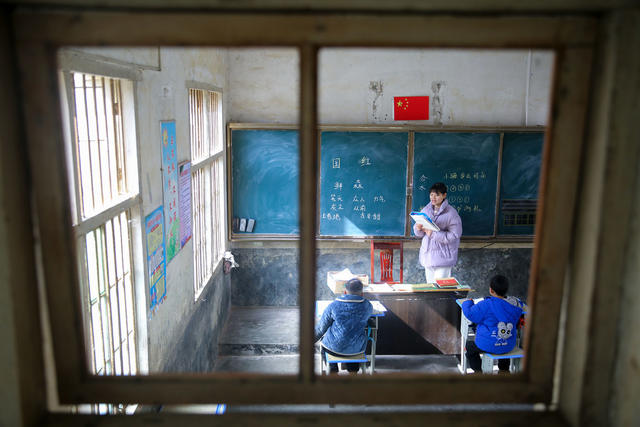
{"points": [[439, 249]]}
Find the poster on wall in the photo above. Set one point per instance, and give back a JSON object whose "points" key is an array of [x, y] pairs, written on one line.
{"points": [[154, 233], [184, 173], [170, 188]]}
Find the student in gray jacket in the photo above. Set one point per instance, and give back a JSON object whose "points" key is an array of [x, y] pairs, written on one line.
{"points": [[342, 326]]}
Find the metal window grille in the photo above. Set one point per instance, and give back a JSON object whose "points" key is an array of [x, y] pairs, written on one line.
{"points": [[99, 142], [103, 229], [110, 297], [207, 184]]}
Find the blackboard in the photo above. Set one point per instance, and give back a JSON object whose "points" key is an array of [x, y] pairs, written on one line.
{"points": [[468, 164], [363, 178], [265, 175], [521, 161], [362, 187]]}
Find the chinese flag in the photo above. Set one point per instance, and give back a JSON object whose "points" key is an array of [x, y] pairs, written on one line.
{"points": [[410, 108]]}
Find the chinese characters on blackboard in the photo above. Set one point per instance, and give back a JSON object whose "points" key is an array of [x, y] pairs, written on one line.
{"points": [[460, 185], [366, 210]]}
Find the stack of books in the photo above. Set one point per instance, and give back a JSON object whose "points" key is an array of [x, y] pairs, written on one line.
{"points": [[447, 282]]}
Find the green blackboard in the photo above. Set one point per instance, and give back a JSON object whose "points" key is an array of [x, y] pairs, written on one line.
{"points": [[265, 175], [468, 164], [363, 179], [521, 160]]}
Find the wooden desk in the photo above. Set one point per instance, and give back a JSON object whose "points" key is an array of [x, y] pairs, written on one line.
{"points": [[423, 320], [426, 322]]}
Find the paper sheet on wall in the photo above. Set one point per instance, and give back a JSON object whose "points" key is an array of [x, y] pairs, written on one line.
{"points": [[170, 187], [156, 262]]}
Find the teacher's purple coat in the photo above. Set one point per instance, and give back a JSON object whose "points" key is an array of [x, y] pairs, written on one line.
{"points": [[441, 249]]}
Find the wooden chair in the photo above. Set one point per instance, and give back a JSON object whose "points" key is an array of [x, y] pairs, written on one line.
{"points": [[386, 261]]}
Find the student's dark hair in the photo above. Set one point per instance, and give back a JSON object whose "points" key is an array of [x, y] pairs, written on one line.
{"points": [[499, 284], [353, 286], [439, 187]]}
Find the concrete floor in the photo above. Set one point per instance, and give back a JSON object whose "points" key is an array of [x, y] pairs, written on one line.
{"points": [[265, 340]]}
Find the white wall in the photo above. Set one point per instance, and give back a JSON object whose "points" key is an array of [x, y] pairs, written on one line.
{"points": [[264, 85], [163, 95], [357, 86]]}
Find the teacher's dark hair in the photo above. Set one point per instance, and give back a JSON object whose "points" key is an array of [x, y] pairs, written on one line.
{"points": [[439, 187], [353, 286]]}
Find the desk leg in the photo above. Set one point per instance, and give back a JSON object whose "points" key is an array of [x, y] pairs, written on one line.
{"points": [[373, 347], [464, 333]]}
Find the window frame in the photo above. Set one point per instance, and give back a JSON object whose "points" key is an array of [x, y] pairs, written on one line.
{"points": [[70, 62], [573, 39], [210, 161]]}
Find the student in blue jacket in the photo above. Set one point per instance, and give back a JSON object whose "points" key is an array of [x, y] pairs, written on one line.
{"points": [[497, 318], [342, 326]]}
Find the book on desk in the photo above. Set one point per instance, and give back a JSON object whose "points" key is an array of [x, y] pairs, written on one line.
{"points": [[447, 282]]}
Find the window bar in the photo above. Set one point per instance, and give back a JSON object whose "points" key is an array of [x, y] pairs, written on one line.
{"points": [[214, 213], [130, 301], [196, 224], [116, 341], [92, 326], [88, 148], [122, 295], [110, 137], [102, 140], [104, 300], [109, 142], [122, 304], [191, 127], [112, 297], [116, 93], [96, 141], [99, 306]]}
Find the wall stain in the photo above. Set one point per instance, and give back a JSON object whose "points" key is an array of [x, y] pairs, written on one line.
{"points": [[437, 100], [377, 88]]}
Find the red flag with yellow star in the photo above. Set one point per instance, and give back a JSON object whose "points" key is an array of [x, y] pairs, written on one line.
{"points": [[410, 108]]}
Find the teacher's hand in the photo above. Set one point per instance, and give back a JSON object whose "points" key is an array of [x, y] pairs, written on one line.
{"points": [[428, 232], [420, 227]]}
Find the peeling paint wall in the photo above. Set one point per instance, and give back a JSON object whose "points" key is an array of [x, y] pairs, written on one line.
{"points": [[264, 85], [357, 86]]}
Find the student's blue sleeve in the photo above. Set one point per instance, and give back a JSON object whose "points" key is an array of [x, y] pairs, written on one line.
{"points": [[472, 311], [325, 321]]}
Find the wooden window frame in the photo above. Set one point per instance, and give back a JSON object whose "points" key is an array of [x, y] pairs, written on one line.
{"points": [[572, 38]]}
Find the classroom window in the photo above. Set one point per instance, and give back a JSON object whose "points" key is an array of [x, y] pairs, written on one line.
{"points": [[207, 184], [100, 154], [103, 177]]}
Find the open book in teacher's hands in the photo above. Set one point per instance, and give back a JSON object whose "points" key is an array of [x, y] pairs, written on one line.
{"points": [[424, 220]]}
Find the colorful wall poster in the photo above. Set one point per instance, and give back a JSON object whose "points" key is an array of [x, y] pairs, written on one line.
{"points": [[184, 173], [156, 263], [170, 187]]}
